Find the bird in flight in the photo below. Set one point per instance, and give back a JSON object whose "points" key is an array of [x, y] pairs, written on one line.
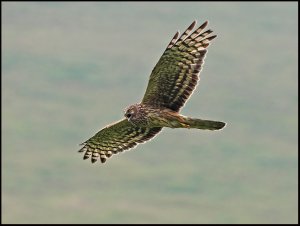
{"points": [[171, 83]]}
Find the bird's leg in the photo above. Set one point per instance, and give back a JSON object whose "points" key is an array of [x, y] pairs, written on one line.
{"points": [[177, 121], [185, 125]]}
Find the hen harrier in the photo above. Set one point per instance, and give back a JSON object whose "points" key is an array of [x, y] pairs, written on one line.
{"points": [[171, 83]]}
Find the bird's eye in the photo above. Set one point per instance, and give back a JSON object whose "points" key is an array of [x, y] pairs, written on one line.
{"points": [[128, 115]]}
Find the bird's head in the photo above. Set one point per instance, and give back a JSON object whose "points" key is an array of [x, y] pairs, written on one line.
{"points": [[130, 112]]}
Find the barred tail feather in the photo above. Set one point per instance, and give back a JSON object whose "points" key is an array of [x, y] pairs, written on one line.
{"points": [[204, 124]]}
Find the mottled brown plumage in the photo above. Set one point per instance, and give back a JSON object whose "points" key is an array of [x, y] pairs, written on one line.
{"points": [[171, 83]]}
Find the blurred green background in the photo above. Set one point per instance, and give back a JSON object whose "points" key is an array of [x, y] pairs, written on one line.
{"points": [[69, 69]]}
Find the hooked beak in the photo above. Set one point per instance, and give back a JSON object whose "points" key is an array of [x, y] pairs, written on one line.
{"points": [[127, 115]]}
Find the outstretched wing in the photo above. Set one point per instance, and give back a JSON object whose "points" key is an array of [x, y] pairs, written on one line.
{"points": [[175, 76], [116, 138]]}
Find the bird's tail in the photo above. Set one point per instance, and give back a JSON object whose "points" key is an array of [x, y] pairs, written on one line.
{"points": [[203, 124]]}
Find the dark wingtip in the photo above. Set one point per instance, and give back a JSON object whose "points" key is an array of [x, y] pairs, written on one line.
{"points": [[211, 37], [202, 26], [81, 150], [192, 25], [85, 157], [103, 160]]}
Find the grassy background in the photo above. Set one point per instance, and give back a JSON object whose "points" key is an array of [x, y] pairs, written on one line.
{"points": [[69, 69]]}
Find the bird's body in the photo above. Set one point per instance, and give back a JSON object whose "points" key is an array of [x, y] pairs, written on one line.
{"points": [[141, 115], [171, 83]]}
